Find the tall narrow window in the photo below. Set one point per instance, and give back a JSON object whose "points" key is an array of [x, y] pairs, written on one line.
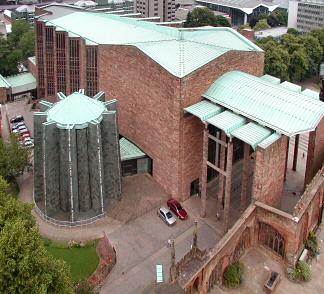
{"points": [[74, 65], [92, 69], [49, 43], [60, 62], [40, 59]]}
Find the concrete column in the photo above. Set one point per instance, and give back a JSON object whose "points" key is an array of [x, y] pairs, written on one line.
{"points": [[245, 176], [228, 184], [294, 167], [204, 173], [221, 181], [245, 18]]}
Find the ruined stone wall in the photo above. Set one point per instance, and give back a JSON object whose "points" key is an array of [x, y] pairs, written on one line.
{"points": [[269, 173]]}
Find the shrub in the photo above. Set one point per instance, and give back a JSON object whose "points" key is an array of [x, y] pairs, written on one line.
{"points": [[312, 244], [301, 272], [233, 275], [84, 287]]}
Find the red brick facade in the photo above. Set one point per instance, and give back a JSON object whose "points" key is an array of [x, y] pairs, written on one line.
{"points": [[269, 172], [3, 95], [32, 68], [151, 103]]}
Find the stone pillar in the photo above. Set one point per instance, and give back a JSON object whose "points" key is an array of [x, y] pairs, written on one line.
{"points": [[286, 162], [221, 181], [294, 167], [245, 18], [228, 185], [310, 158], [204, 173], [65, 198], [173, 271], [195, 236], [245, 176]]}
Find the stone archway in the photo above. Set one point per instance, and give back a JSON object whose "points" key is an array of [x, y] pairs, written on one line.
{"points": [[272, 239]]}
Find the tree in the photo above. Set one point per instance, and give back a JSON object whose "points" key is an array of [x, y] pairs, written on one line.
{"points": [[13, 159], [293, 31], [319, 35], [299, 65], [18, 46], [25, 265], [261, 25], [204, 17], [314, 52]]}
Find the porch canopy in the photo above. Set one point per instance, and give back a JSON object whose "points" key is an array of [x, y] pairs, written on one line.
{"points": [[258, 110]]}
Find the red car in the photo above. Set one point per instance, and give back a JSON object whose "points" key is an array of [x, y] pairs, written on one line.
{"points": [[177, 209]]}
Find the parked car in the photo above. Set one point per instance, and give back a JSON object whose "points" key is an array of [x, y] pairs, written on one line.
{"points": [[177, 209], [25, 135], [166, 215], [17, 119], [22, 123], [28, 143], [23, 130]]}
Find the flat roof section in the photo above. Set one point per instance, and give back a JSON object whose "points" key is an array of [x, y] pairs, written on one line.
{"points": [[129, 151], [22, 82]]}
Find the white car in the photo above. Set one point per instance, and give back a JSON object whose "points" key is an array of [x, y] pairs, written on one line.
{"points": [[167, 216]]}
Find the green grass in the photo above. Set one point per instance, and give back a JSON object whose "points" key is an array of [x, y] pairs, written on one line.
{"points": [[82, 261]]}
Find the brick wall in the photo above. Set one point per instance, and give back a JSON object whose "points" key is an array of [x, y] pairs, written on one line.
{"points": [[315, 154], [268, 181], [3, 95], [32, 68], [192, 87], [151, 102]]}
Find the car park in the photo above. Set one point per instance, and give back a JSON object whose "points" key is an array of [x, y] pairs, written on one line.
{"points": [[177, 209], [17, 119], [166, 215]]}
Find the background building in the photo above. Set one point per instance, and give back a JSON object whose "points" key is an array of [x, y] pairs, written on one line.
{"points": [[165, 9], [241, 11], [306, 15], [77, 173]]}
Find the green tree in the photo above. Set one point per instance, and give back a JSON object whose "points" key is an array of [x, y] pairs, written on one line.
{"points": [[299, 65], [25, 265], [204, 17], [13, 159], [262, 24], [319, 35], [314, 52], [293, 31]]}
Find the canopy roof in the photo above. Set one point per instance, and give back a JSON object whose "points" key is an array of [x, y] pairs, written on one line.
{"points": [[76, 110], [258, 110], [179, 51], [21, 83], [128, 150]]}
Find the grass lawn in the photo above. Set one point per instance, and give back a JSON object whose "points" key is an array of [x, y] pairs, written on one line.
{"points": [[82, 261]]}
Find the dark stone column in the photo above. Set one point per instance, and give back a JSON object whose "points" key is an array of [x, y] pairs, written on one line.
{"points": [[94, 168], [204, 173], [310, 158], [83, 170], [51, 151], [228, 185], [73, 170], [111, 157], [39, 118], [295, 153], [65, 197], [245, 176]]}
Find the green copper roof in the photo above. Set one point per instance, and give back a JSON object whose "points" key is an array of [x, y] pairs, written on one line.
{"points": [[271, 79], [227, 121], [22, 82], [4, 83], [179, 51], [252, 134], [76, 110], [269, 140], [203, 109], [291, 86], [128, 150], [273, 106], [311, 94]]}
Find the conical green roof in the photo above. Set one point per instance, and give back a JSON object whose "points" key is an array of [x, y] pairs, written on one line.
{"points": [[76, 110]]}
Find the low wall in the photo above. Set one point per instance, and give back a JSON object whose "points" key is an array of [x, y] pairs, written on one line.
{"points": [[289, 230]]}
